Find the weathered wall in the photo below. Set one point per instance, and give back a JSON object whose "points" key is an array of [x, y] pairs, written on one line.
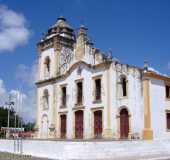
{"points": [[133, 102], [159, 105]]}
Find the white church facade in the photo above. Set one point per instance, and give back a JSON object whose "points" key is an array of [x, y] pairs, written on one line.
{"points": [[85, 94]]}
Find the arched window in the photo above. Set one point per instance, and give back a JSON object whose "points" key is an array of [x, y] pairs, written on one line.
{"points": [[45, 99], [122, 86], [47, 67]]}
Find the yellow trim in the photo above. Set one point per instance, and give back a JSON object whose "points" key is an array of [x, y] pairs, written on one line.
{"points": [[154, 75], [147, 131]]}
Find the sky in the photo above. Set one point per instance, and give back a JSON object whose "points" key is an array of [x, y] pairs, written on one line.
{"points": [[134, 30]]}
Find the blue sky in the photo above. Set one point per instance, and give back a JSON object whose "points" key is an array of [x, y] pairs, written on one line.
{"points": [[134, 30]]}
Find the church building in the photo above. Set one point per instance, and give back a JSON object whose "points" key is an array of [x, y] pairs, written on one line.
{"points": [[83, 93]]}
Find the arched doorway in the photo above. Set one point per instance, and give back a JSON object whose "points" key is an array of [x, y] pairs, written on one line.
{"points": [[63, 125], [124, 123], [98, 124], [79, 124], [44, 127]]}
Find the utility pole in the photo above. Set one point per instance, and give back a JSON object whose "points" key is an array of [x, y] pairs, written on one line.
{"points": [[9, 104]]}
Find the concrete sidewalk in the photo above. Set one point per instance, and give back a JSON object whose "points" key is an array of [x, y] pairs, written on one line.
{"points": [[101, 150]]}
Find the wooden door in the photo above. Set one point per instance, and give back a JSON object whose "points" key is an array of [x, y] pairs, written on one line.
{"points": [[98, 124], [124, 124], [63, 126], [79, 124]]}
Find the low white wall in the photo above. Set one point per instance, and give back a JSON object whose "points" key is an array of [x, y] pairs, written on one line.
{"points": [[89, 149]]}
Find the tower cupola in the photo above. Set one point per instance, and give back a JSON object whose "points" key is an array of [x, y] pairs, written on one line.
{"points": [[61, 32]]}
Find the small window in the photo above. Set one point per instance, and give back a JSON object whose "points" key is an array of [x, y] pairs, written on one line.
{"points": [[45, 99], [168, 120], [79, 93], [124, 86], [47, 66], [98, 89], [64, 96], [167, 89]]}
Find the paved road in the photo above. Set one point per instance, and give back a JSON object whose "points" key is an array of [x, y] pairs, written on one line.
{"points": [[9, 156]]}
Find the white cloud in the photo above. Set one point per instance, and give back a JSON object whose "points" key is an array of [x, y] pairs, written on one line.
{"points": [[28, 108], [13, 29], [2, 87], [169, 65], [25, 104], [28, 75], [3, 93]]}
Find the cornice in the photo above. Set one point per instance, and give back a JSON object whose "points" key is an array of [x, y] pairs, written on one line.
{"points": [[151, 74]]}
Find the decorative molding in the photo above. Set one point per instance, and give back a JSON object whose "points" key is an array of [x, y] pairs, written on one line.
{"points": [[79, 80], [97, 108], [62, 112], [97, 76], [78, 107]]}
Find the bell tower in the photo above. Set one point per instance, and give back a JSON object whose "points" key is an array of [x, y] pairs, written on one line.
{"points": [[61, 38]]}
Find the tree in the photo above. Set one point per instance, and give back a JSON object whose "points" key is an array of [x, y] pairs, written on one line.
{"points": [[29, 126], [4, 117]]}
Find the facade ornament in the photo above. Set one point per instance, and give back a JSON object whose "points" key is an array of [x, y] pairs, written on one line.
{"points": [[52, 127]]}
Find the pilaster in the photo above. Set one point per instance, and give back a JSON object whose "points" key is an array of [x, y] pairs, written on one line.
{"points": [[107, 132], [147, 131]]}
